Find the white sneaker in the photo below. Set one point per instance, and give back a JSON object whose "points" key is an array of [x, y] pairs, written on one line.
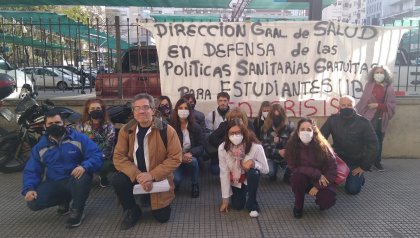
{"points": [[254, 214]]}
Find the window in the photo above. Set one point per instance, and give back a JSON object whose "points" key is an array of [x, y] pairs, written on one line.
{"points": [[3, 64]]}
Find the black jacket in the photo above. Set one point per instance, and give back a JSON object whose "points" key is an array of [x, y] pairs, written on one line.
{"points": [[258, 123], [354, 139], [196, 138]]}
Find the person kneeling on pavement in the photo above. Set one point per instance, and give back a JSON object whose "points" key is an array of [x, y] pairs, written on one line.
{"points": [[68, 159], [147, 151]]}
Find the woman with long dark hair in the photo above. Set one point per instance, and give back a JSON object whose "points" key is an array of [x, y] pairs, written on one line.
{"points": [[313, 165], [274, 136], [265, 108], [165, 108], [241, 161], [96, 125], [190, 136]]}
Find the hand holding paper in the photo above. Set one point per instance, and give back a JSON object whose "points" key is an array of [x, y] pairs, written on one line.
{"points": [[158, 187]]}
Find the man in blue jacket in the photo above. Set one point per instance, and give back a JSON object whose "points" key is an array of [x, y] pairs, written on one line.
{"points": [[66, 159]]}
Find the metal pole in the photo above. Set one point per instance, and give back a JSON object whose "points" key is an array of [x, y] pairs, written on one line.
{"points": [[315, 10], [119, 54]]}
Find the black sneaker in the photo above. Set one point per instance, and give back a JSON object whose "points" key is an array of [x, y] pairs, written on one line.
{"points": [[195, 191], [131, 217], [63, 209], [104, 182], [379, 167], [297, 213], [76, 218]]}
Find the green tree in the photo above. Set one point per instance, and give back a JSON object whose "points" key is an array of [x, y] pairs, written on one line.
{"points": [[75, 13]]}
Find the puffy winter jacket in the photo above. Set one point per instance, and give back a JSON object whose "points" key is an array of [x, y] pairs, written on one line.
{"points": [[58, 160]]}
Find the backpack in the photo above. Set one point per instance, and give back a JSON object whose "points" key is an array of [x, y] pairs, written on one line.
{"points": [[163, 132]]}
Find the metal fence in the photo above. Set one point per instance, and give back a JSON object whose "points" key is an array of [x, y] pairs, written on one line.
{"points": [[41, 45]]}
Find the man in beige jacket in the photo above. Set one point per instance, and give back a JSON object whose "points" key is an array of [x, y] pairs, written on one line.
{"points": [[143, 156]]}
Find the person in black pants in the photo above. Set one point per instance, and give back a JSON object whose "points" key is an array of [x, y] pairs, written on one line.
{"points": [[147, 151]]}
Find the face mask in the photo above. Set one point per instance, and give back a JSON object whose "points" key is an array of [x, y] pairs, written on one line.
{"points": [[346, 112], [165, 110], [96, 114], [379, 77], [192, 106], [277, 121], [183, 113], [236, 139], [56, 130], [265, 114], [306, 136]]}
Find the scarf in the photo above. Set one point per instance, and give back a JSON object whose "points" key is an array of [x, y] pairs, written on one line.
{"points": [[236, 155]]}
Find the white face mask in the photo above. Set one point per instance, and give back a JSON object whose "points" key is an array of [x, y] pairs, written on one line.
{"points": [[379, 77], [306, 136], [265, 114], [183, 113], [236, 139]]}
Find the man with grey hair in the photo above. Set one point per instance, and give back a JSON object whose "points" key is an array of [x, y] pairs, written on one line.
{"points": [[147, 151], [354, 140]]}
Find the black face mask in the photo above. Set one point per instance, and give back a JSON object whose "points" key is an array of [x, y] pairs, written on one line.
{"points": [[165, 110], [346, 112], [96, 114], [56, 130], [277, 120], [192, 106]]}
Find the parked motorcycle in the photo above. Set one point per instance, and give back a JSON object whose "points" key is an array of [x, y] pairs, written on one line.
{"points": [[15, 146], [119, 115]]}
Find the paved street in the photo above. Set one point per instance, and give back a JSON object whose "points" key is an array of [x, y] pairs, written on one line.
{"points": [[389, 206]]}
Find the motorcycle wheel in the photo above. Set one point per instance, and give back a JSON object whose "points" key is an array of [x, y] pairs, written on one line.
{"points": [[17, 164]]}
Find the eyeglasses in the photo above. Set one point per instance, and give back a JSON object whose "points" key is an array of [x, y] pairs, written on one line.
{"points": [[141, 108]]}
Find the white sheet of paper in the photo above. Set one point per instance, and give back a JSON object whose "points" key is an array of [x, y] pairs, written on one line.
{"points": [[158, 187]]}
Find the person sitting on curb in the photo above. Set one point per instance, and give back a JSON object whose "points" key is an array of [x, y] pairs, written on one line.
{"points": [[67, 159]]}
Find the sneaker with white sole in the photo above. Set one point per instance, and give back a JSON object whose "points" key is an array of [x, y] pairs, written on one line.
{"points": [[75, 219], [254, 214], [63, 209]]}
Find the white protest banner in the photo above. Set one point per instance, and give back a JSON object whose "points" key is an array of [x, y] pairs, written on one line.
{"points": [[306, 66]]}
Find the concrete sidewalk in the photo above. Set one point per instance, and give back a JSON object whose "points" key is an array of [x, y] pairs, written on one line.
{"points": [[388, 206]]}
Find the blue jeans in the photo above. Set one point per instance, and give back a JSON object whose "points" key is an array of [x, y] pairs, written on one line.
{"points": [[238, 198], [192, 167], [354, 183], [53, 193]]}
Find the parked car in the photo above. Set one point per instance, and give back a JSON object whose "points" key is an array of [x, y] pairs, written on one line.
{"points": [[71, 70], [51, 77], [23, 83]]}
